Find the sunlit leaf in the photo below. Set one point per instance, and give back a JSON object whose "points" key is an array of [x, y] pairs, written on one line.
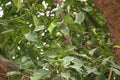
{"points": [[58, 12], [104, 61], [79, 17], [41, 27], [24, 59], [117, 66], [65, 31], [91, 52], [91, 70], [52, 26], [33, 34], [116, 46], [65, 75], [7, 31], [116, 71], [77, 62], [36, 21], [67, 60], [77, 68], [88, 8], [41, 74], [12, 73], [82, 0], [31, 37], [18, 3]]}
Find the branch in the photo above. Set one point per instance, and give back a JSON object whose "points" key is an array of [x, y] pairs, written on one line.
{"points": [[93, 20], [7, 66], [110, 73], [67, 37]]}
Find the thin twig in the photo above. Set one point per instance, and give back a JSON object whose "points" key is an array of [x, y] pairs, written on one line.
{"points": [[110, 73], [13, 19], [67, 37]]}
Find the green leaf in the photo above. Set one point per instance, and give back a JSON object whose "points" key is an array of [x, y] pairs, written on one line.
{"points": [[79, 17], [90, 70], [66, 75], [68, 51], [67, 60], [68, 19], [24, 59], [116, 46], [77, 68], [41, 27], [50, 54], [77, 62], [12, 73], [52, 26], [77, 65], [31, 37], [36, 21], [40, 75], [82, 0], [105, 60], [18, 3], [58, 12], [65, 31], [87, 8], [40, 7], [7, 31], [116, 71], [3, 22], [70, 48], [77, 28], [91, 52], [117, 66]]}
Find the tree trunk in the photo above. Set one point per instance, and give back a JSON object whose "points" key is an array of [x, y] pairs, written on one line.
{"points": [[111, 10], [6, 66]]}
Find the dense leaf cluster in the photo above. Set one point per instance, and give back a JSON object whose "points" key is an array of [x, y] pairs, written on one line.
{"points": [[33, 34]]}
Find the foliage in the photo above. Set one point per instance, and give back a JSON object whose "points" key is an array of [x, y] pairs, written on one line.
{"points": [[33, 35]]}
